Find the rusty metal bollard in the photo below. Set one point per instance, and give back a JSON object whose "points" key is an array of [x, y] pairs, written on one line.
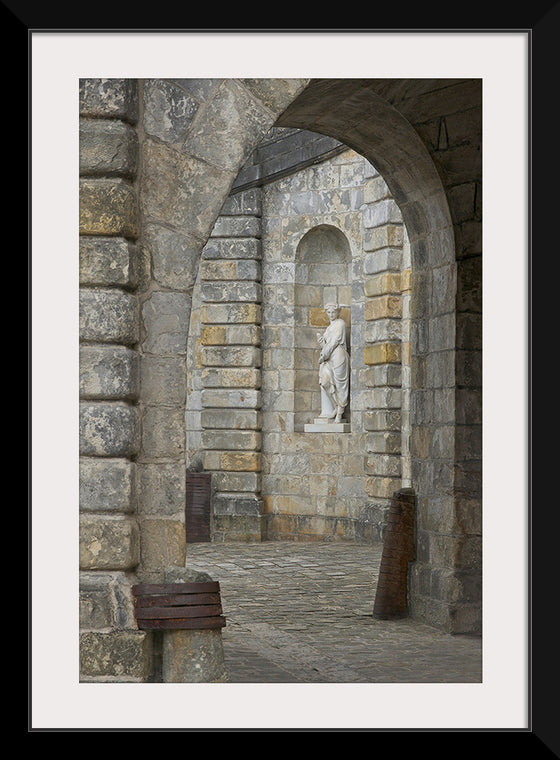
{"points": [[198, 507], [398, 551]]}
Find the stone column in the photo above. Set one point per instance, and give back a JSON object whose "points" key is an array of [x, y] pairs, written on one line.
{"points": [[110, 646], [195, 655], [383, 240], [230, 277]]}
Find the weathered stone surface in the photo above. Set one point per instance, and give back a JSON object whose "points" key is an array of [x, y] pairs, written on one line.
{"points": [[108, 207], [384, 442], [469, 368], [231, 335], [213, 335], [109, 373], [231, 377], [238, 461], [246, 528], [382, 212], [108, 316], [384, 307], [237, 227], [468, 407], [235, 504], [275, 94], [122, 656], [380, 330], [193, 657], [455, 552], [230, 269], [238, 121], [162, 485], [199, 89], [109, 429], [108, 261], [166, 321], [385, 465], [385, 282], [163, 545], [232, 248], [231, 356], [233, 419], [236, 482], [163, 372], [174, 256], [226, 313], [106, 601], [383, 398], [469, 331], [107, 147], [381, 374], [232, 290], [385, 259], [382, 353], [376, 189], [468, 442], [108, 543], [442, 333], [116, 98], [469, 284], [379, 487], [245, 203], [167, 197], [163, 432], [96, 603], [236, 440], [232, 399], [107, 485], [168, 110]]}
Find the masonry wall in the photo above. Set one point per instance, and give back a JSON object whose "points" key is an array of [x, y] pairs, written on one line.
{"points": [[276, 256], [110, 270], [158, 160]]}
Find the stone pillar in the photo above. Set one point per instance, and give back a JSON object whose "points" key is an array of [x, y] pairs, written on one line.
{"points": [[191, 656], [111, 649], [230, 277], [446, 579], [383, 240]]}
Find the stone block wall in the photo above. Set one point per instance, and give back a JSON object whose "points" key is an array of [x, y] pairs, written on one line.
{"points": [[318, 486], [276, 256], [230, 355], [175, 148], [111, 648], [446, 400]]}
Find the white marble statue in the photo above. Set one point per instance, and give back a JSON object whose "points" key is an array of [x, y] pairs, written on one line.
{"points": [[334, 367]]}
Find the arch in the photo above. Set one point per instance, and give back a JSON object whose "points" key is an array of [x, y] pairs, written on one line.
{"points": [[323, 243], [391, 123], [376, 119]]}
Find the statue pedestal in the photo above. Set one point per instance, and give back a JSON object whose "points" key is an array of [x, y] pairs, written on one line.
{"points": [[326, 426]]}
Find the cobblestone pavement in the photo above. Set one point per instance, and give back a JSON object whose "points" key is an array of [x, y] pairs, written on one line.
{"points": [[302, 613]]}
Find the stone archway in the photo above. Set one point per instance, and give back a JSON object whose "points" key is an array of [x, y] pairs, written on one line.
{"points": [[424, 137], [361, 115], [427, 173]]}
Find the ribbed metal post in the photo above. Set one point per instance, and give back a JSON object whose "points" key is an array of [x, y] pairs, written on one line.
{"points": [[198, 507], [391, 600]]}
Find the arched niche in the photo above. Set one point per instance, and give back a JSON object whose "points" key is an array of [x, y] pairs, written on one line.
{"points": [[323, 269]]}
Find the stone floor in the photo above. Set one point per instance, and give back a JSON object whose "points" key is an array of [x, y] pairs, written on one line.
{"points": [[302, 613]]}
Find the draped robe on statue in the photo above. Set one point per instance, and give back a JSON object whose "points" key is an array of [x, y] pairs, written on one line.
{"points": [[334, 370]]}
